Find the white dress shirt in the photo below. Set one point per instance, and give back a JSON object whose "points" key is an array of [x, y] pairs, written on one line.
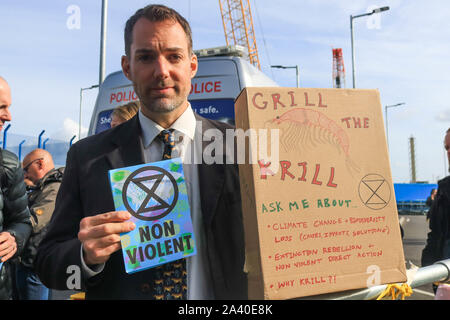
{"points": [[199, 280]]}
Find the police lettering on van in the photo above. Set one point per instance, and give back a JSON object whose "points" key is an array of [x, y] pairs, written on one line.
{"points": [[124, 96]]}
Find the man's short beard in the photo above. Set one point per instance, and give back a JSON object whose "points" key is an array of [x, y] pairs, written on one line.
{"points": [[157, 107], [161, 107]]}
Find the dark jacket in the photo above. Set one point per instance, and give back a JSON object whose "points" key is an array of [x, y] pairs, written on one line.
{"points": [[86, 191], [439, 225], [41, 201], [14, 213]]}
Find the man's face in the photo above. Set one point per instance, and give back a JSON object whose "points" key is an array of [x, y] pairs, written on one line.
{"points": [[447, 147], [160, 66], [5, 102], [32, 168]]}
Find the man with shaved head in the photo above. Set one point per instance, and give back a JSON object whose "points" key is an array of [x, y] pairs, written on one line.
{"points": [[37, 164], [39, 168], [15, 224], [5, 102]]}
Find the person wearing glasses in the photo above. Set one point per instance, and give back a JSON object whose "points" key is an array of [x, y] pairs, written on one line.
{"points": [[38, 168], [15, 224]]}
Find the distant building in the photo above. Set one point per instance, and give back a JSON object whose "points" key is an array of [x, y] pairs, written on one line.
{"points": [[411, 197]]}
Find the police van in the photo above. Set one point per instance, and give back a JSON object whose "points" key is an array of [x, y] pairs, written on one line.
{"points": [[222, 73]]}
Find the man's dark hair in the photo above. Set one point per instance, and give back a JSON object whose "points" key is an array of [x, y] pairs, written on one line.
{"points": [[155, 13]]}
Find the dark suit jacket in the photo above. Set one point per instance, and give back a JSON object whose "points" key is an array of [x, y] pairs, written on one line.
{"points": [[86, 191], [439, 236]]}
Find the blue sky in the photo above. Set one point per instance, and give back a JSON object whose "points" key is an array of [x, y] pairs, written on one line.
{"points": [[404, 52]]}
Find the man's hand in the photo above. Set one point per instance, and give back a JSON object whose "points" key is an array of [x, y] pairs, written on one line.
{"points": [[100, 235], [8, 246]]}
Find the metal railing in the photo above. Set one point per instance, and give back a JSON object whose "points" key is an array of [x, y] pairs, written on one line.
{"points": [[438, 272]]}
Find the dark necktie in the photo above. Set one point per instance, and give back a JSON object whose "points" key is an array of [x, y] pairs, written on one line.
{"points": [[170, 278]]}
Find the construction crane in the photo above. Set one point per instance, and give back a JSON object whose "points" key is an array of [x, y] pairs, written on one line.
{"points": [[338, 69], [238, 27]]}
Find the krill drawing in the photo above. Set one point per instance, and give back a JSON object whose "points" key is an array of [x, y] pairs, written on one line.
{"points": [[306, 129]]}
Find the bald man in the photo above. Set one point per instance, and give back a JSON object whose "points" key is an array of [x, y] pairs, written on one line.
{"points": [[40, 170], [15, 224], [37, 164], [5, 102]]}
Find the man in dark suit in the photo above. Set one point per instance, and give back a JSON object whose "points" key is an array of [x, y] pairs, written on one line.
{"points": [[438, 239], [84, 231]]}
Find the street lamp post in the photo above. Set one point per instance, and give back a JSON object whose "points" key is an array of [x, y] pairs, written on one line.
{"points": [[352, 36], [81, 100], [386, 117], [103, 42], [289, 67]]}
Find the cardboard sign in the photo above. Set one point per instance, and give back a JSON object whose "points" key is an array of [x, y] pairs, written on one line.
{"points": [[319, 206], [156, 196]]}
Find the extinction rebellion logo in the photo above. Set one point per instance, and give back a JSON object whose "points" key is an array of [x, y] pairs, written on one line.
{"points": [[160, 191], [374, 191]]}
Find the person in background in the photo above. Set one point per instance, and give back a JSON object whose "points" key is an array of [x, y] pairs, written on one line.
{"points": [[40, 170], [429, 201], [15, 224], [124, 113], [438, 239]]}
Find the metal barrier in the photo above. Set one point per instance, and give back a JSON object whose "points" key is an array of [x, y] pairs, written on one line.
{"points": [[440, 271]]}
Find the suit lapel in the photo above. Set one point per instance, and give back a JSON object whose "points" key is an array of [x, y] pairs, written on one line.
{"points": [[128, 150], [211, 179]]}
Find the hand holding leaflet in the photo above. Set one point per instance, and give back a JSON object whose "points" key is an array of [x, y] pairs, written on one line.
{"points": [[155, 195]]}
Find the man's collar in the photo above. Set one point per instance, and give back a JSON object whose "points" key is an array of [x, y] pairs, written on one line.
{"points": [[185, 124]]}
